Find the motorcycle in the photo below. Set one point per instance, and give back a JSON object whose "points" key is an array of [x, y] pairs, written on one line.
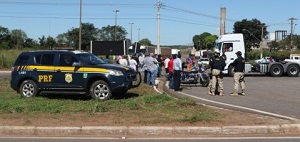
{"points": [[204, 77], [195, 76]]}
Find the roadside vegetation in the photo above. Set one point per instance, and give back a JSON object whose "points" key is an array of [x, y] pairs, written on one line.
{"points": [[141, 105]]}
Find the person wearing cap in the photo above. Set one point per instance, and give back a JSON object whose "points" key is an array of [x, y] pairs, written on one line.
{"points": [[217, 64], [239, 68]]}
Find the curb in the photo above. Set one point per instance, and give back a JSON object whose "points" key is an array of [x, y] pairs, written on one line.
{"points": [[149, 130], [5, 71]]}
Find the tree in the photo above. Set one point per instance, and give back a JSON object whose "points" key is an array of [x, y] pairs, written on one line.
{"points": [[108, 33], [252, 31], [30, 43], [18, 38], [209, 41], [204, 41], [71, 37], [62, 40], [42, 42], [196, 41], [145, 42], [5, 38], [273, 45], [50, 42]]}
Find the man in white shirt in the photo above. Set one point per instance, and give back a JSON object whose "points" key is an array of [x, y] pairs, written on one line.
{"points": [[166, 61], [123, 61], [141, 60], [132, 63], [177, 66]]}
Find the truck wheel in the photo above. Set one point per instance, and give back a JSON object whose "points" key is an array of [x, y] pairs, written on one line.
{"points": [[276, 70], [100, 90], [28, 89], [231, 71], [292, 70]]}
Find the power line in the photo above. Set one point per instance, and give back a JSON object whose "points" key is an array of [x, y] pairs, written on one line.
{"points": [[184, 20], [71, 4], [193, 23], [195, 13]]}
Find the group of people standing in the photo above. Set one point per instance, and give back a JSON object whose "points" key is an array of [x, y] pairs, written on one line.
{"points": [[151, 65], [217, 65], [173, 68]]}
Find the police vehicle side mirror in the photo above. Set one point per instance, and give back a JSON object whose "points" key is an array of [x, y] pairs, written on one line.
{"points": [[77, 64]]}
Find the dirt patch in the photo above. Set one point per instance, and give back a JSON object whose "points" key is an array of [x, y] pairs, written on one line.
{"points": [[231, 118]]}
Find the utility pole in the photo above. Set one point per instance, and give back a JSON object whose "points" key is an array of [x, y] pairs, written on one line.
{"points": [[262, 39], [80, 25], [223, 20], [138, 34], [158, 25], [116, 12], [292, 32], [131, 32]]}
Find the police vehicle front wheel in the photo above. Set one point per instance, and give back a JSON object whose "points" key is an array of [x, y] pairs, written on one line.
{"points": [[28, 89], [100, 90]]}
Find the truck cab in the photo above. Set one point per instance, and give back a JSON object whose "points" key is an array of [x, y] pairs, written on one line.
{"points": [[229, 44]]}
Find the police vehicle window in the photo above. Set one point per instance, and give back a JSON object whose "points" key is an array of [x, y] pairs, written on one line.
{"points": [[90, 59], [37, 59], [228, 47], [47, 59], [22, 60], [67, 60]]}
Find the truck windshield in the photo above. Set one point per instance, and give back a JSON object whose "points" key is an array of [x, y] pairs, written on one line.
{"points": [[218, 46], [90, 59]]}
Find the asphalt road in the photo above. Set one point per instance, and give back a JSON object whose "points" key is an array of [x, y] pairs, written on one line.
{"points": [[271, 95]]}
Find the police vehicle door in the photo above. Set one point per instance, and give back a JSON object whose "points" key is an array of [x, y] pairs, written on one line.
{"points": [[44, 70], [67, 76]]}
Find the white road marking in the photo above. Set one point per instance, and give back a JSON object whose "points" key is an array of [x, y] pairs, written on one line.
{"points": [[240, 107]]}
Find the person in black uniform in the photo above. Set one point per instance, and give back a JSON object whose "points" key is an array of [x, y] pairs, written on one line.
{"points": [[217, 64], [239, 68]]}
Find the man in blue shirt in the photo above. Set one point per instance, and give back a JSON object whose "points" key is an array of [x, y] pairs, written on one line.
{"points": [[177, 66], [107, 60]]}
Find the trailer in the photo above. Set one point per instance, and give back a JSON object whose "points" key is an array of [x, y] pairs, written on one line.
{"points": [[110, 47], [137, 49], [229, 44]]}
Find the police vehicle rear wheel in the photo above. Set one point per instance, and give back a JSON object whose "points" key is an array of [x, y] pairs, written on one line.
{"points": [[100, 90], [28, 89]]}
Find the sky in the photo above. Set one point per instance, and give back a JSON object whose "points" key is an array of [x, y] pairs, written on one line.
{"points": [[180, 20]]}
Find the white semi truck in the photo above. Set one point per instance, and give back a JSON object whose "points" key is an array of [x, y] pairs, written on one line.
{"points": [[229, 44]]}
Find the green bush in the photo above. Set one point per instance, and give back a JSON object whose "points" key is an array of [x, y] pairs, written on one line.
{"points": [[254, 55], [8, 57]]}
